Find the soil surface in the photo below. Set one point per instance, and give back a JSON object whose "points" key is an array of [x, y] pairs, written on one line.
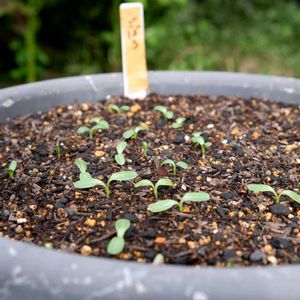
{"points": [[253, 141]]}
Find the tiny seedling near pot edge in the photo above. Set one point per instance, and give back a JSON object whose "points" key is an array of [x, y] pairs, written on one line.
{"points": [[178, 123], [198, 140], [99, 125], [117, 243], [12, 168], [168, 114], [174, 165], [158, 259], [118, 109], [262, 188], [160, 182], [145, 148], [133, 132], [87, 181], [163, 205], [119, 157]]}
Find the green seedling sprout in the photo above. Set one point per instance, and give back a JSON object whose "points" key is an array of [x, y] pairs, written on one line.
{"points": [[262, 188], [168, 114], [58, 149], [133, 132], [118, 109], [163, 205], [145, 148], [87, 181], [12, 168], [198, 140], [178, 123], [174, 165], [117, 243], [160, 182], [158, 259], [99, 125], [119, 157]]}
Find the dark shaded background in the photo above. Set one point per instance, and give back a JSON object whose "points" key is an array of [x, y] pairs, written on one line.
{"points": [[53, 38]]}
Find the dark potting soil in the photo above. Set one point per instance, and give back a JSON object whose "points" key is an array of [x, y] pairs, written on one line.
{"points": [[253, 141]]}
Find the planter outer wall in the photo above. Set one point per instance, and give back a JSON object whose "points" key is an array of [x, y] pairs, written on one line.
{"points": [[28, 272]]}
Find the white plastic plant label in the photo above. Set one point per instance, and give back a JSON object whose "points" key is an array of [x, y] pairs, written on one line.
{"points": [[134, 64]]}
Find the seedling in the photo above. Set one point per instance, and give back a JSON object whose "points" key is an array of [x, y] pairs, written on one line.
{"points": [[262, 188], [178, 123], [99, 125], [58, 149], [118, 109], [160, 182], [119, 157], [133, 132], [163, 205], [145, 148], [198, 140], [87, 181], [168, 114], [174, 165], [12, 168], [117, 243], [158, 259]]}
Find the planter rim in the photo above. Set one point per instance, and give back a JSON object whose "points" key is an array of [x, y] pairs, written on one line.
{"points": [[28, 271]]}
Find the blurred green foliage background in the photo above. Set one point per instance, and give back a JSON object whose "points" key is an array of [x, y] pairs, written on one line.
{"points": [[53, 38]]}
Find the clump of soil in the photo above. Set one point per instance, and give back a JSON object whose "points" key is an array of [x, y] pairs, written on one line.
{"points": [[253, 141]]}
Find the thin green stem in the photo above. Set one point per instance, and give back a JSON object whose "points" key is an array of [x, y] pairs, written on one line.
{"points": [[107, 190], [277, 197], [180, 204]]}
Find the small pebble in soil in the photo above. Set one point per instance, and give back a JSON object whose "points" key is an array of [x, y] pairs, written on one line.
{"points": [[179, 138], [257, 255], [279, 209]]}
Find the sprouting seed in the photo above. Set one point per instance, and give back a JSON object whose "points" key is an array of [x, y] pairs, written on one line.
{"points": [[145, 146], [118, 109], [168, 114], [119, 157], [178, 123], [262, 188], [159, 183], [99, 125], [158, 259], [58, 149], [117, 243], [174, 165], [163, 205], [12, 168], [198, 140], [133, 132], [87, 181]]}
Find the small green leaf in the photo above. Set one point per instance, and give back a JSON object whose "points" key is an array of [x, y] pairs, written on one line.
{"points": [[96, 120], [86, 181], [114, 107], [168, 162], [293, 195], [158, 259], [121, 147], [144, 182], [11, 168], [82, 130], [100, 126], [120, 159], [128, 134], [198, 133], [195, 197], [182, 164], [140, 128], [164, 182], [169, 115], [124, 107], [123, 175], [261, 188], [122, 225], [81, 165], [162, 205], [115, 245], [208, 144], [161, 109], [176, 125]]}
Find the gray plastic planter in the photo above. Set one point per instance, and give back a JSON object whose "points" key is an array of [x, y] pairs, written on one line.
{"points": [[28, 272]]}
